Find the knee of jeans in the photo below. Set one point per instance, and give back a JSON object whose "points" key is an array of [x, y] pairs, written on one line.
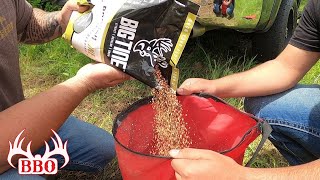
{"points": [[252, 105], [99, 150], [229, 11], [264, 106], [105, 151], [13, 174]]}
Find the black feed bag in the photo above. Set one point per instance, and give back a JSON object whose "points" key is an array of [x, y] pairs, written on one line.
{"points": [[135, 35]]}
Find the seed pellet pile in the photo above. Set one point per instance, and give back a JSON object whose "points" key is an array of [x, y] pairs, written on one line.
{"points": [[170, 128]]}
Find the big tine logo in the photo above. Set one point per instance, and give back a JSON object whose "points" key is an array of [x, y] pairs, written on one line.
{"points": [[154, 49], [37, 164]]}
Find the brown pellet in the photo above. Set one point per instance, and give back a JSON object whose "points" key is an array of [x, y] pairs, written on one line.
{"points": [[170, 129]]}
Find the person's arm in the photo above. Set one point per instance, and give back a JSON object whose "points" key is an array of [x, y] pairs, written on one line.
{"points": [[46, 26], [273, 76], [50, 109], [208, 165], [268, 78]]}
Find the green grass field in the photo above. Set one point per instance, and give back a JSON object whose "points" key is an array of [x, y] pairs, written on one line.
{"points": [[209, 56]]}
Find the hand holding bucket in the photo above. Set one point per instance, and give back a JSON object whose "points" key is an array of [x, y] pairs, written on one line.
{"points": [[213, 125]]}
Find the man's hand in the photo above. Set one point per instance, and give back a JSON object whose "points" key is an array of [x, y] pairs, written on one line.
{"points": [[49, 109], [196, 85], [47, 26], [199, 164], [65, 13], [97, 76]]}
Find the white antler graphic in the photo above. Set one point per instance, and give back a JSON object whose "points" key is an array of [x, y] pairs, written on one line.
{"points": [[155, 50], [60, 149], [16, 149]]}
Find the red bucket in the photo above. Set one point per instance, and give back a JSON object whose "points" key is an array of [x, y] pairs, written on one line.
{"points": [[212, 124]]}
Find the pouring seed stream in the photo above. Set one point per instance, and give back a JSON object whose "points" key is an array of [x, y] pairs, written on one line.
{"points": [[170, 128]]}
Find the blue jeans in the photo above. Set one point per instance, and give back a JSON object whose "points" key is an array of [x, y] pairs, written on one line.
{"points": [[90, 148], [230, 10], [216, 8], [295, 118]]}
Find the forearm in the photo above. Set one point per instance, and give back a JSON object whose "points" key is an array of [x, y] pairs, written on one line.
{"points": [[39, 115], [265, 79], [268, 78], [43, 27], [306, 171]]}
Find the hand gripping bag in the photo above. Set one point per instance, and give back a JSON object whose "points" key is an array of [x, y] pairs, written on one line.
{"points": [[134, 35]]}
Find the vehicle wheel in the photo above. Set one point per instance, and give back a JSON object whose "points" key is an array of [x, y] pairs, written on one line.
{"points": [[269, 45]]}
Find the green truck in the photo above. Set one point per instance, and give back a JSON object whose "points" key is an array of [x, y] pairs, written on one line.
{"points": [[270, 23]]}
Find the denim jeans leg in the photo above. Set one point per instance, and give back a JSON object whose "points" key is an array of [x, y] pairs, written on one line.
{"points": [[230, 10], [90, 148], [295, 118], [216, 8], [12, 174]]}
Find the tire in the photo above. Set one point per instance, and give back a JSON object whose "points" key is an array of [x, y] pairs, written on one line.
{"points": [[269, 45]]}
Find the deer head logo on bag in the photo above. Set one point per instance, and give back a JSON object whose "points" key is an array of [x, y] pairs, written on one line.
{"points": [[37, 164], [154, 49]]}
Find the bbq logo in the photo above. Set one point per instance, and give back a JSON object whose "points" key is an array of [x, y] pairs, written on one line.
{"points": [[37, 164], [154, 49]]}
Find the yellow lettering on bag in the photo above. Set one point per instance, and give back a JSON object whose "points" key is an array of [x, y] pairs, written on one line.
{"points": [[183, 38], [174, 78]]}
